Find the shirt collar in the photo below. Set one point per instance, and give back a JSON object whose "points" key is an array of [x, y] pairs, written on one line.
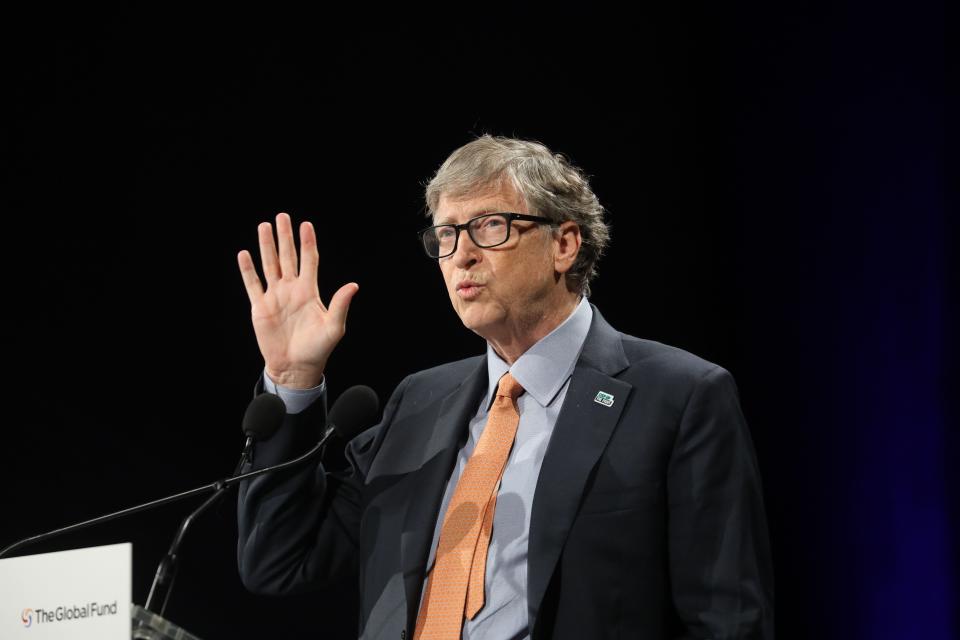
{"points": [[544, 368]]}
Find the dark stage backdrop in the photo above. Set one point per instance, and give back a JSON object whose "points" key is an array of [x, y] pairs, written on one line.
{"points": [[775, 179]]}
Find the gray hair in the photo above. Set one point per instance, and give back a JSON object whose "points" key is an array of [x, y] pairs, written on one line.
{"points": [[549, 184]]}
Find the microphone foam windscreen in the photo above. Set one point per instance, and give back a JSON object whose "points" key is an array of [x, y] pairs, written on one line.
{"points": [[264, 416], [354, 411]]}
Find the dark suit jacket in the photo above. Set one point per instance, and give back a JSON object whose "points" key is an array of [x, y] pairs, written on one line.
{"points": [[647, 521]]}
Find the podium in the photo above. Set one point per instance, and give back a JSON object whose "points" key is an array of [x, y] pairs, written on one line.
{"points": [[82, 594], [147, 625]]}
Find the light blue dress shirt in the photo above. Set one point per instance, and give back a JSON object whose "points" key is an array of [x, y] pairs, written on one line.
{"points": [[544, 372]]}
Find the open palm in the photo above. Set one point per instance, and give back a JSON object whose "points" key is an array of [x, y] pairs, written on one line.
{"points": [[296, 332]]}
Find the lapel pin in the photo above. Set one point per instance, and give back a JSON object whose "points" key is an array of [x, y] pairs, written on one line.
{"points": [[604, 398]]}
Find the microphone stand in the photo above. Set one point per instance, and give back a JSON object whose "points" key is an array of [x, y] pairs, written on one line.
{"points": [[167, 569], [213, 487]]}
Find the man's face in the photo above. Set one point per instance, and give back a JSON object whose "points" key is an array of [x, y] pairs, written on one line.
{"points": [[498, 289]]}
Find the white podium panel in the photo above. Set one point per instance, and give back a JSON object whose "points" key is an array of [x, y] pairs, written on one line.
{"points": [[68, 595]]}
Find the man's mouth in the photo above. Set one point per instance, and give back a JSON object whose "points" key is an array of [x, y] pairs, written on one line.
{"points": [[468, 290]]}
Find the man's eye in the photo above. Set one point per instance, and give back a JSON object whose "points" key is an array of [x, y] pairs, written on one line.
{"points": [[444, 233], [491, 223]]}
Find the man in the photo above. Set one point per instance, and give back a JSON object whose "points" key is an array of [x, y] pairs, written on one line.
{"points": [[573, 482]]}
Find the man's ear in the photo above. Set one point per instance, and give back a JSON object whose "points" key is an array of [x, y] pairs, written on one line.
{"points": [[566, 245]]}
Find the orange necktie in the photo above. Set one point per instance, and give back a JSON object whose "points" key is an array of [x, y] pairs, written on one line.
{"points": [[456, 582]]}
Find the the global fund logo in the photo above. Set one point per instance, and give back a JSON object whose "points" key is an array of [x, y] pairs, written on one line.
{"points": [[66, 613]]}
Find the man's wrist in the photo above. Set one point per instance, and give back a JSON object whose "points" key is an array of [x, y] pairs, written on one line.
{"points": [[296, 400], [296, 379]]}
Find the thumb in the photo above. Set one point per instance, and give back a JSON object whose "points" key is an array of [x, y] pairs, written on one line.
{"points": [[340, 302]]}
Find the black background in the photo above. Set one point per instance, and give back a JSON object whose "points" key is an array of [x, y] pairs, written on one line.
{"points": [[774, 174]]}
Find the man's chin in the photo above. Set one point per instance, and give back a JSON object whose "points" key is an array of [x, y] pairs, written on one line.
{"points": [[474, 318]]}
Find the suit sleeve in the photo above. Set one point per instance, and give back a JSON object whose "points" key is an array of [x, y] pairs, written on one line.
{"points": [[719, 553], [298, 528]]}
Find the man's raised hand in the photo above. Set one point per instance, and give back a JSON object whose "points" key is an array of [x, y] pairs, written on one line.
{"points": [[295, 331]]}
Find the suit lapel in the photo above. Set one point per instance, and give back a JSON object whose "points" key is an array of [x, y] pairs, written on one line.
{"points": [[427, 484], [580, 436]]}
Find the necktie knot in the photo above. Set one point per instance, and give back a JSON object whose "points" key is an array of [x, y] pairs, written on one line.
{"points": [[509, 387]]}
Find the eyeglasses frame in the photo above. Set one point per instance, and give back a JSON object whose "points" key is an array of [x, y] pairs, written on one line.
{"points": [[466, 226]]}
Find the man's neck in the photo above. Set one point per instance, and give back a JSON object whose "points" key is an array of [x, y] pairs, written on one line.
{"points": [[513, 344]]}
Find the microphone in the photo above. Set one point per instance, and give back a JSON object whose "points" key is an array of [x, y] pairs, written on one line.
{"points": [[263, 417], [261, 420], [354, 411], [345, 419]]}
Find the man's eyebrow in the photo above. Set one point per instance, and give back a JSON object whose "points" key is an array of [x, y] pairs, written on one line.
{"points": [[479, 212]]}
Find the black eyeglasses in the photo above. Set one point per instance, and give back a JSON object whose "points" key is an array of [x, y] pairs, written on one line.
{"points": [[486, 231]]}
